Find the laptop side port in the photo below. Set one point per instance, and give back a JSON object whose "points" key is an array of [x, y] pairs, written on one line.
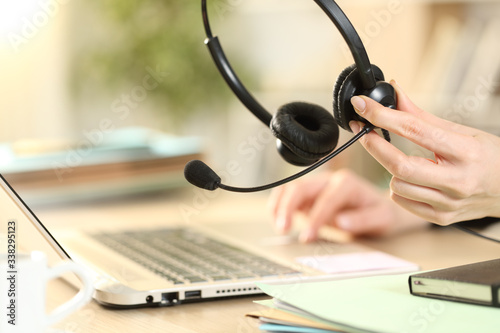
{"points": [[168, 299], [192, 294]]}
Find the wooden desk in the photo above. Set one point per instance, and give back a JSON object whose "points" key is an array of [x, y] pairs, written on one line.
{"points": [[429, 247]]}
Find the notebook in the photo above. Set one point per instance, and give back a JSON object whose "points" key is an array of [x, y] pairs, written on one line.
{"points": [[476, 283], [172, 265]]}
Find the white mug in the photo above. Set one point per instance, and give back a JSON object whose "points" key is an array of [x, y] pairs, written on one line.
{"points": [[23, 284]]}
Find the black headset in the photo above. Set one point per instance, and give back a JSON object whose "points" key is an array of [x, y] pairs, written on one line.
{"points": [[307, 132]]}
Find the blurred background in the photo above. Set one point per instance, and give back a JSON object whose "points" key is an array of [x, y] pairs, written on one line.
{"points": [[113, 97]]}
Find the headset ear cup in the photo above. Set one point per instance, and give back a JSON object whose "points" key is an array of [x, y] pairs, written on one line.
{"points": [[348, 85], [305, 132], [337, 111]]}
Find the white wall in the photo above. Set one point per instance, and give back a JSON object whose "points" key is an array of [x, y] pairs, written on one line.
{"points": [[33, 94]]}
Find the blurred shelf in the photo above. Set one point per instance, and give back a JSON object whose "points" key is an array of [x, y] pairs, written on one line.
{"points": [[128, 161]]}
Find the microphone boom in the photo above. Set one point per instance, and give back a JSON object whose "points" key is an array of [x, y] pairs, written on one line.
{"points": [[201, 175]]}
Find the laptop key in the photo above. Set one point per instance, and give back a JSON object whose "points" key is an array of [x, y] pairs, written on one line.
{"points": [[185, 256], [195, 279], [220, 277], [243, 275]]}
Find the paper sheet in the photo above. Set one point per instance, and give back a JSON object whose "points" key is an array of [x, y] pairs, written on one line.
{"points": [[353, 262]]}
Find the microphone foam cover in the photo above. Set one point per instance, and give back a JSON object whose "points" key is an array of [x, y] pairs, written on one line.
{"points": [[199, 174]]}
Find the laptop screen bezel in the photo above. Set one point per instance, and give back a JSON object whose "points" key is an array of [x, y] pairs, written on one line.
{"points": [[26, 210]]}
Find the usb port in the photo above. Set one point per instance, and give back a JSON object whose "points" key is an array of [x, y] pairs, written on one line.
{"points": [[192, 294]]}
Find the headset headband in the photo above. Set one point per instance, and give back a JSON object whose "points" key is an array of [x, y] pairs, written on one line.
{"points": [[342, 23]]}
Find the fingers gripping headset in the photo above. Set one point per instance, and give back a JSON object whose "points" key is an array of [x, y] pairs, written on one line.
{"points": [[307, 134]]}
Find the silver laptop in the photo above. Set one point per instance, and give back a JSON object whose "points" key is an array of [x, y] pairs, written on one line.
{"points": [[165, 266]]}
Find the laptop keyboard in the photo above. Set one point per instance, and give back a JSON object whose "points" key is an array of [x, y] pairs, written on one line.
{"points": [[186, 256]]}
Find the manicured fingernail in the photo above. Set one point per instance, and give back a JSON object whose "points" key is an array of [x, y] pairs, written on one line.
{"points": [[281, 224], [307, 236], [359, 104], [344, 223], [394, 82]]}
